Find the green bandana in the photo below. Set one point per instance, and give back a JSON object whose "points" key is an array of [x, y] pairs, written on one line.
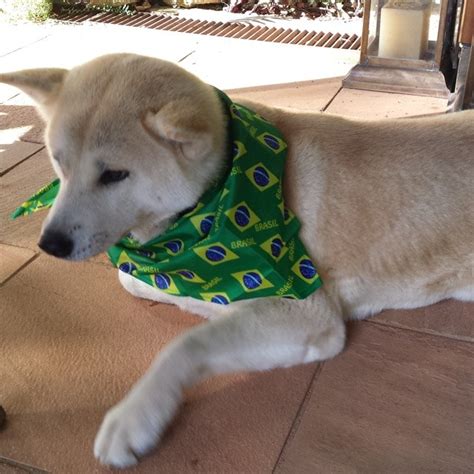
{"points": [[238, 242]]}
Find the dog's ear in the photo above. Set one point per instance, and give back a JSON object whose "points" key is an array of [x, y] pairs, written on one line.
{"points": [[42, 85], [175, 123]]}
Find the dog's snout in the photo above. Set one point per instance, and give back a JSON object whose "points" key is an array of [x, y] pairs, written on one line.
{"points": [[56, 243]]}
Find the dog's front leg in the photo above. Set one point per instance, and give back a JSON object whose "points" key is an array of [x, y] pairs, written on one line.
{"points": [[260, 335]]}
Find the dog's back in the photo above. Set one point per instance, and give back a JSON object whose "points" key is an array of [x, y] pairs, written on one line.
{"points": [[387, 205]]}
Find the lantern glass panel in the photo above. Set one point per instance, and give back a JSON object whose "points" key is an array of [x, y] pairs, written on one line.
{"points": [[403, 29]]}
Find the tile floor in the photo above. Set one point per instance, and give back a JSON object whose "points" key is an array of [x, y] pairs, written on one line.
{"points": [[400, 399]]}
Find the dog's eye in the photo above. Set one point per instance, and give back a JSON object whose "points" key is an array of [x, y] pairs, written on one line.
{"points": [[111, 176]]}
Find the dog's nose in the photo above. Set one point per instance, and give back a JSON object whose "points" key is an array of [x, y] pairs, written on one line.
{"points": [[56, 243]]}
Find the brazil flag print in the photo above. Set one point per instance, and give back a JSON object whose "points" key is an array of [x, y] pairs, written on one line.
{"points": [[238, 242]]}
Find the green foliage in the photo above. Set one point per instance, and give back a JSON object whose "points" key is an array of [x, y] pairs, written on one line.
{"points": [[73, 6], [32, 10], [297, 8], [126, 9]]}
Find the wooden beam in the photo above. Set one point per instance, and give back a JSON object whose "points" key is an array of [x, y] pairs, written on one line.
{"points": [[466, 30], [469, 93]]}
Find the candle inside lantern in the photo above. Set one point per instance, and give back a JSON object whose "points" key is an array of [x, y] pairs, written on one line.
{"points": [[404, 27]]}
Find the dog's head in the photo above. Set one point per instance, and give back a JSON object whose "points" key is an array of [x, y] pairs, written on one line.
{"points": [[134, 141]]}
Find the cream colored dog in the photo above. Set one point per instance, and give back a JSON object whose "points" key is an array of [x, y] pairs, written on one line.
{"points": [[386, 207]]}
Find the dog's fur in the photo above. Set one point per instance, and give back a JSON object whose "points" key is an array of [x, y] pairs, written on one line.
{"points": [[386, 207]]}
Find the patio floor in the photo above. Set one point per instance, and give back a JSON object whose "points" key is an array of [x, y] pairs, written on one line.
{"points": [[72, 342]]}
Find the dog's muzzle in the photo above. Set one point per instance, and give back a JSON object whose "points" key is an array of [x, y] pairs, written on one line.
{"points": [[56, 244]]}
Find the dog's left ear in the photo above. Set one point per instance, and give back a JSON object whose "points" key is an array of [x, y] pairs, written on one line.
{"points": [[175, 123], [42, 85]]}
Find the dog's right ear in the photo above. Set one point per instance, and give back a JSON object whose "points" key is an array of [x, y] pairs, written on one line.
{"points": [[178, 122], [42, 85]]}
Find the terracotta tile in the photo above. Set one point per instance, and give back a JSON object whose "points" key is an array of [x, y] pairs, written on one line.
{"points": [[395, 401], [13, 153], [12, 259], [19, 115], [310, 96], [73, 342], [449, 318], [17, 186], [376, 105]]}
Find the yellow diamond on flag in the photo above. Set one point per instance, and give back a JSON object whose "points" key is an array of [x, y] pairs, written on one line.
{"points": [[164, 282], [274, 143], [238, 149], [252, 280], [275, 246], [218, 298], [195, 209], [126, 264], [203, 223], [305, 269], [240, 113], [288, 216], [261, 177], [215, 254], [188, 275], [172, 247], [242, 216]]}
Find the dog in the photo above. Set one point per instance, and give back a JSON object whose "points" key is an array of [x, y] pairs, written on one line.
{"points": [[386, 209]]}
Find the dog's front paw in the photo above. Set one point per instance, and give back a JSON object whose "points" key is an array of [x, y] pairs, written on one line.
{"points": [[127, 433]]}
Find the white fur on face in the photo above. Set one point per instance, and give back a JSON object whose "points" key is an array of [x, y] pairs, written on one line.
{"points": [[89, 133], [96, 215]]}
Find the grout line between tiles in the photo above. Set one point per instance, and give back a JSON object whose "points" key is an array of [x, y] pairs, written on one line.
{"points": [[331, 99], [18, 270], [25, 46], [25, 140], [102, 264], [3, 173], [5, 101], [186, 56], [427, 332], [8, 244], [22, 466], [299, 414]]}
